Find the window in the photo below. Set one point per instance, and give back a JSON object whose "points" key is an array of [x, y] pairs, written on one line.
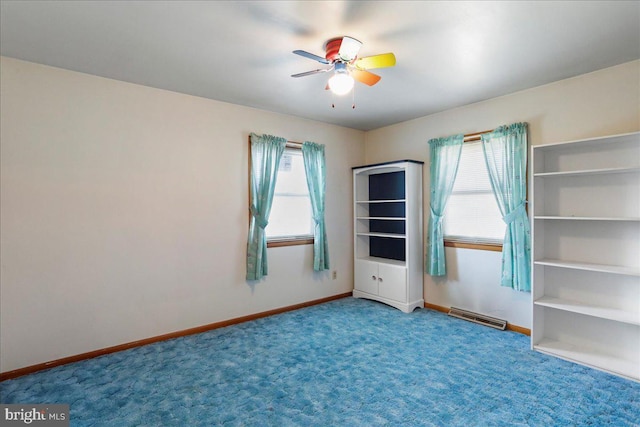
{"points": [[472, 217], [291, 218]]}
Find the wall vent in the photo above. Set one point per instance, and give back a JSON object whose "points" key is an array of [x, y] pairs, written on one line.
{"points": [[478, 318]]}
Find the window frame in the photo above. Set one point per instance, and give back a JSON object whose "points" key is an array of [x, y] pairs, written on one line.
{"points": [[280, 241], [496, 247]]}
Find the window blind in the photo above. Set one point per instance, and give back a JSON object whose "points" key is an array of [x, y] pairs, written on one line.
{"points": [[472, 214], [291, 214]]}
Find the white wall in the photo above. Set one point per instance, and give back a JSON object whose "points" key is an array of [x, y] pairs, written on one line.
{"points": [[600, 103], [123, 208], [124, 213]]}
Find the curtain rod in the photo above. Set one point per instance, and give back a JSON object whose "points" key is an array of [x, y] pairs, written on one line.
{"points": [[294, 144], [470, 137]]}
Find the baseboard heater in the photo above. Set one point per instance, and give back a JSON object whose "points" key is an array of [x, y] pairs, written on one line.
{"points": [[478, 318]]}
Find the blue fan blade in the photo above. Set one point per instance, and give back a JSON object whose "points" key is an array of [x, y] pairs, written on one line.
{"points": [[308, 73], [311, 56]]}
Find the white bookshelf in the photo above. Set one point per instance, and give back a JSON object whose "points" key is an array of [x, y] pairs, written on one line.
{"points": [[388, 253], [585, 205]]}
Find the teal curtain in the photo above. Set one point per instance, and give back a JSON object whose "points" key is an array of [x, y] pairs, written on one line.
{"points": [[266, 151], [314, 166], [505, 153], [444, 157]]}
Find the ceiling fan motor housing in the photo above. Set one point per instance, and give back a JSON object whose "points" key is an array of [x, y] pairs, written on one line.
{"points": [[333, 48]]}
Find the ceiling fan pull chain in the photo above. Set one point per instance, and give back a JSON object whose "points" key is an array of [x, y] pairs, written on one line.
{"points": [[353, 98]]}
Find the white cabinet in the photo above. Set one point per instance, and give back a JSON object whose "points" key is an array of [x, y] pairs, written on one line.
{"points": [[366, 277], [384, 279], [586, 252], [388, 253]]}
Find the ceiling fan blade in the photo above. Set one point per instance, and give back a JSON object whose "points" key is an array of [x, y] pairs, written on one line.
{"points": [[365, 77], [376, 61], [309, 73], [349, 48], [311, 56]]}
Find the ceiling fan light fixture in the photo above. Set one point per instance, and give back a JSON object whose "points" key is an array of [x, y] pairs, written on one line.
{"points": [[341, 83]]}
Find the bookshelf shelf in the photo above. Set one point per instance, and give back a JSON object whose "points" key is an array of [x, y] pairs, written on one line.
{"points": [[587, 356]]}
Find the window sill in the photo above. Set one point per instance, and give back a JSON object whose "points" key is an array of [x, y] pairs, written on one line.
{"points": [[294, 241], [479, 246]]}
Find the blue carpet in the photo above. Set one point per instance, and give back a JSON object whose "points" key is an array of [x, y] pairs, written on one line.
{"points": [[349, 362]]}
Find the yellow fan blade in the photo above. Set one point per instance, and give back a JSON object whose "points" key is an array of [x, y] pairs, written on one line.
{"points": [[376, 61], [365, 77]]}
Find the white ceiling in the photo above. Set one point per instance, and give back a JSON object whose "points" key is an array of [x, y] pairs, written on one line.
{"points": [[448, 53]]}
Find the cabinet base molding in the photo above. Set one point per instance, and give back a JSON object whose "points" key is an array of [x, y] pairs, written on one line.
{"points": [[407, 308]]}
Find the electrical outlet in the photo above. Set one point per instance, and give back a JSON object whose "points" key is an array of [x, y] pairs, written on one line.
{"points": [[334, 275]]}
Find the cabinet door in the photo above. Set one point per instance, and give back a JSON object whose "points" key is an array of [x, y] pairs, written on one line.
{"points": [[366, 276], [392, 282]]}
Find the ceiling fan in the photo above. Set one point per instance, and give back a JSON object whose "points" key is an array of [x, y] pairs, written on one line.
{"points": [[342, 56]]}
